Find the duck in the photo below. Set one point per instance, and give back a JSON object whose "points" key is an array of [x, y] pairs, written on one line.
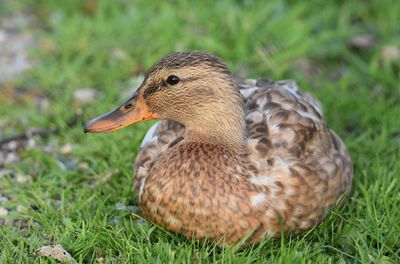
{"points": [[230, 159]]}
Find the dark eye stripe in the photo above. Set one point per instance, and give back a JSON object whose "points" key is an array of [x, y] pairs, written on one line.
{"points": [[151, 89]]}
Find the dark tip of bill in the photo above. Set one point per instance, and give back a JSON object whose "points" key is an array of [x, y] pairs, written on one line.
{"points": [[85, 129]]}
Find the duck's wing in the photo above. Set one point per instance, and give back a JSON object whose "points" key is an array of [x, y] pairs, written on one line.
{"points": [[304, 165], [281, 120]]}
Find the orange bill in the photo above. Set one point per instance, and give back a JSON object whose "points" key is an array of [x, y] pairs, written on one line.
{"points": [[134, 110]]}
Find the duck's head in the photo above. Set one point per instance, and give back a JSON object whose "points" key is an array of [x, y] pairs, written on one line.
{"points": [[192, 88]]}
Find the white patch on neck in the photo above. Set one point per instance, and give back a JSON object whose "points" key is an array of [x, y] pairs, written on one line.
{"points": [[141, 187], [149, 134], [141, 172], [258, 199]]}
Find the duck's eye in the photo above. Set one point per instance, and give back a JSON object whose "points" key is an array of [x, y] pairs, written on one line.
{"points": [[172, 79]]}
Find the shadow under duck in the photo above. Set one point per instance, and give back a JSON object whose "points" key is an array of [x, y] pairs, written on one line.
{"points": [[231, 158]]}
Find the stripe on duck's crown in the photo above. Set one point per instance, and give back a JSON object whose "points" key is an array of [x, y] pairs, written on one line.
{"points": [[178, 60]]}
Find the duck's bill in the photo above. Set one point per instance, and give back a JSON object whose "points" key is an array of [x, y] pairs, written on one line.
{"points": [[134, 110]]}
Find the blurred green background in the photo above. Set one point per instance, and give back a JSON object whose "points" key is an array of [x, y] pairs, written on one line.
{"points": [[64, 62]]}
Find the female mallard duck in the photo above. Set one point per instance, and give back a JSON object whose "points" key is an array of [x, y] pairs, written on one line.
{"points": [[233, 158]]}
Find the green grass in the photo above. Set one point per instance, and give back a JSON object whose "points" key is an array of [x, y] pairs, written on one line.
{"points": [[105, 47]]}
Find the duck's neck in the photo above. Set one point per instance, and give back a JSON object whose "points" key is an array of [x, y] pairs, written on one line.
{"points": [[223, 124], [232, 141]]}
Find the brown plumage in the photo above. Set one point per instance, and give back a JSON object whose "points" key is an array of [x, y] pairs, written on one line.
{"points": [[233, 158]]}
